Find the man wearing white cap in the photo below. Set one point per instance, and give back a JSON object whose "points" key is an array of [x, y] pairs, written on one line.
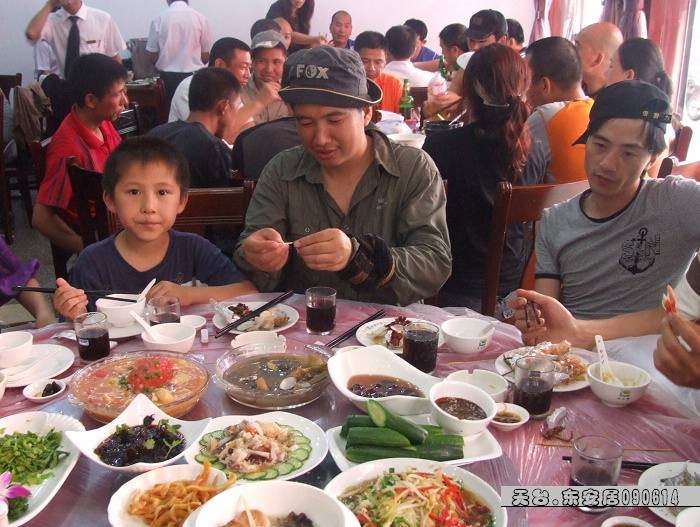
{"points": [[366, 215]]}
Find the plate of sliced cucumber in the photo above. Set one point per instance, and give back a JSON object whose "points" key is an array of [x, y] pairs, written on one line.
{"points": [[231, 443]]}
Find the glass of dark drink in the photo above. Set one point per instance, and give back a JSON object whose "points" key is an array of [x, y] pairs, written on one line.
{"points": [[163, 309], [595, 462], [92, 335], [420, 344], [534, 385], [320, 310]]}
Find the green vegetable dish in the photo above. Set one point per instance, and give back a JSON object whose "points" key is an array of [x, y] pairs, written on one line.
{"points": [[255, 450], [28, 456]]}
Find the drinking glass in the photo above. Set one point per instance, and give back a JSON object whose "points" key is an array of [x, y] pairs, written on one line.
{"points": [[595, 462], [534, 385], [163, 309], [320, 310], [420, 344], [92, 335]]}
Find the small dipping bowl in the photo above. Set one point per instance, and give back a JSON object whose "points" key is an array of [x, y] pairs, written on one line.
{"points": [[630, 521], [33, 391], [461, 390], [636, 380], [687, 518], [492, 383], [415, 140], [15, 347], [117, 311], [459, 334], [511, 409], [182, 333], [196, 321]]}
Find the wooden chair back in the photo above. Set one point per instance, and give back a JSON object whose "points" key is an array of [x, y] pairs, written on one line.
{"points": [[87, 196], [151, 96], [5, 198], [673, 166], [130, 121], [7, 82], [684, 134], [38, 152], [518, 205]]}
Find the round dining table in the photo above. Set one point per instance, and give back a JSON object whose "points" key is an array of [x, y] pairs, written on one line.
{"points": [[658, 428]]}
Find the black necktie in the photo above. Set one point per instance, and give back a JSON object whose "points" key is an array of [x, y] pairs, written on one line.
{"points": [[73, 45]]}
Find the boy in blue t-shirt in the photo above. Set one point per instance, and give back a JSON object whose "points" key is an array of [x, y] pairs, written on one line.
{"points": [[145, 183]]}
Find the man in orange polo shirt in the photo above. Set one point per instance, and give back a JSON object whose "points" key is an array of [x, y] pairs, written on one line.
{"points": [[97, 87], [372, 47]]}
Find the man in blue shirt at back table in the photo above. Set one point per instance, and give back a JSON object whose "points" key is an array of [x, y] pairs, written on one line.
{"points": [[423, 58]]}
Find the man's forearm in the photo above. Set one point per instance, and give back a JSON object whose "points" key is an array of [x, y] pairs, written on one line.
{"points": [[50, 224], [36, 24], [627, 325]]}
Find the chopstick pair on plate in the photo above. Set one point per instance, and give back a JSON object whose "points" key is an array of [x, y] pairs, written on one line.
{"points": [[253, 314], [95, 293]]}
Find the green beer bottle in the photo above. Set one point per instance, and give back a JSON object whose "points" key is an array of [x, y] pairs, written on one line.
{"points": [[406, 102]]}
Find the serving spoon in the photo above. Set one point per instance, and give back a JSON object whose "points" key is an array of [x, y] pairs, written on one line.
{"points": [[155, 337], [606, 373]]}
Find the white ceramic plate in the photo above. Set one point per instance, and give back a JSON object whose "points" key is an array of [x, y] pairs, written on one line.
{"points": [[118, 505], [50, 368], [368, 334], [292, 313], [133, 415], [476, 448], [33, 391], [319, 444], [365, 471], [195, 321], [503, 368], [133, 330], [652, 478], [41, 423]]}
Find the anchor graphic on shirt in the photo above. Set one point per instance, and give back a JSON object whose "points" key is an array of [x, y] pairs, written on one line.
{"points": [[638, 254]]}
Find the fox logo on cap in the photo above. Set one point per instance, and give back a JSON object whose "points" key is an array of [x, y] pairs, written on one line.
{"points": [[311, 72]]}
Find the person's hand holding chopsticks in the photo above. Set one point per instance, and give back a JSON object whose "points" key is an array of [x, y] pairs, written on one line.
{"points": [[541, 317], [69, 301]]}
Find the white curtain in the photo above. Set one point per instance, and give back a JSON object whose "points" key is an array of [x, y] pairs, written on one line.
{"points": [[565, 18], [540, 28], [634, 21]]}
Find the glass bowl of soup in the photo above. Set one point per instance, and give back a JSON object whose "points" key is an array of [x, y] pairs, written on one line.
{"points": [[172, 381], [273, 375]]}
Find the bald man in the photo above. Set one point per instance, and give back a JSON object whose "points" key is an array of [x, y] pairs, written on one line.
{"points": [[597, 44], [285, 30]]}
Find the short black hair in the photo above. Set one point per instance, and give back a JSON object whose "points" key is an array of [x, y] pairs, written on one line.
{"points": [[145, 149], [401, 41], [454, 35], [557, 59], [225, 48], [370, 40], [515, 31], [264, 24], [418, 26], [95, 74], [211, 85]]}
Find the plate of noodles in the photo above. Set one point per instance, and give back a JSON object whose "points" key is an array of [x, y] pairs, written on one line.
{"points": [[157, 495], [376, 491]]}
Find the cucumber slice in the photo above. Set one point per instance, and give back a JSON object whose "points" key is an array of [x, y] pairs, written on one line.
{"points": [[219, 434], [201, 458], [296, 463], [255, 475], [301, 454], [205, 438], [302, 440], [304, 447], [271, 473], [284, 468], [219, 465]]}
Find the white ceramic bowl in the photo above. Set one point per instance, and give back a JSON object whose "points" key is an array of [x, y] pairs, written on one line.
{"points": [[492, 383], [523, 414], [415, 140], [33, 391], [182, 333], [133, 415], [196, 321], [15, 347], [686, 518], [258, 337], [117, 312], [371, 470], [466, 391], [627, 521], [3, 384], [277, 498], [459, 334], [616, 396], [377, 360]]}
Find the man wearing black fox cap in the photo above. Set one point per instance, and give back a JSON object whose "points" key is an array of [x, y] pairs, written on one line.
{"points": [[366, 215]]}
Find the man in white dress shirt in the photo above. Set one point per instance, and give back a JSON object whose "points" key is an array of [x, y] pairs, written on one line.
{"points": [[97, 31], [402, 45]]}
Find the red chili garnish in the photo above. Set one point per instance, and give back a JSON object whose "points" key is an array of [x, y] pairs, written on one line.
{"points": [[150, 374]]}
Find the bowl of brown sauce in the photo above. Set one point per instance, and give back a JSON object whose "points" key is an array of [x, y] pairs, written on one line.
{"points": [[509, 417], [460, 408]]}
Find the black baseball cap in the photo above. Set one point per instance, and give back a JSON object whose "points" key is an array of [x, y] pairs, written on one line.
{"points": [[329, 76], [485, 23], [633, 99]]}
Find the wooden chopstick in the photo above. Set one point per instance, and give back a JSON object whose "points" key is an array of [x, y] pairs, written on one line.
{"points": [[88, 292], [350, 332], [634, 465], [631, 448], [253, 314]]}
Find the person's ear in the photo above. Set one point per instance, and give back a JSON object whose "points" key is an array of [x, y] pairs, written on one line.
{"points": [[502, 40], [183, 201], [221, 106], [109, 202], [219, 63], [91, 100], [630, 75], [599, 59], [651, 162], [545, 85], [367, 114]]}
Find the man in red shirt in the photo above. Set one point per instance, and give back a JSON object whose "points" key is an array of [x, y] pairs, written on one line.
{"points": [[97, 87]]}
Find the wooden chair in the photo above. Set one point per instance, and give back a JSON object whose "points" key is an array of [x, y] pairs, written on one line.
{"points": [[518, 205], [130, 122], [59, 255], [5, 199], [151, 97], [7, 82], [87, 196], [673, 166], [684, 134]]}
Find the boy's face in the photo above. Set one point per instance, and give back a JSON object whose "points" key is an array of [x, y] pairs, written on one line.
{"points": [[147, 200]]}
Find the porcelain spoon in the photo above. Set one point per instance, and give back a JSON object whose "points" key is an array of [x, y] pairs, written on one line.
{"points": [[606, 373], [146, 290], [155, 337]]}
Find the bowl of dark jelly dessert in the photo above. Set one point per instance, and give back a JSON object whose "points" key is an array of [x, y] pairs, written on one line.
{"points": [[273, 375], [460, 408]]}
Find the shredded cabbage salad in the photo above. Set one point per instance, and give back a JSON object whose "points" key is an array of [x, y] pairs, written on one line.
{"points": [[416, 499]]}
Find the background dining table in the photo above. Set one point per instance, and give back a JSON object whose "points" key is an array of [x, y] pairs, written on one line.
{"points": [[661, 420]]}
